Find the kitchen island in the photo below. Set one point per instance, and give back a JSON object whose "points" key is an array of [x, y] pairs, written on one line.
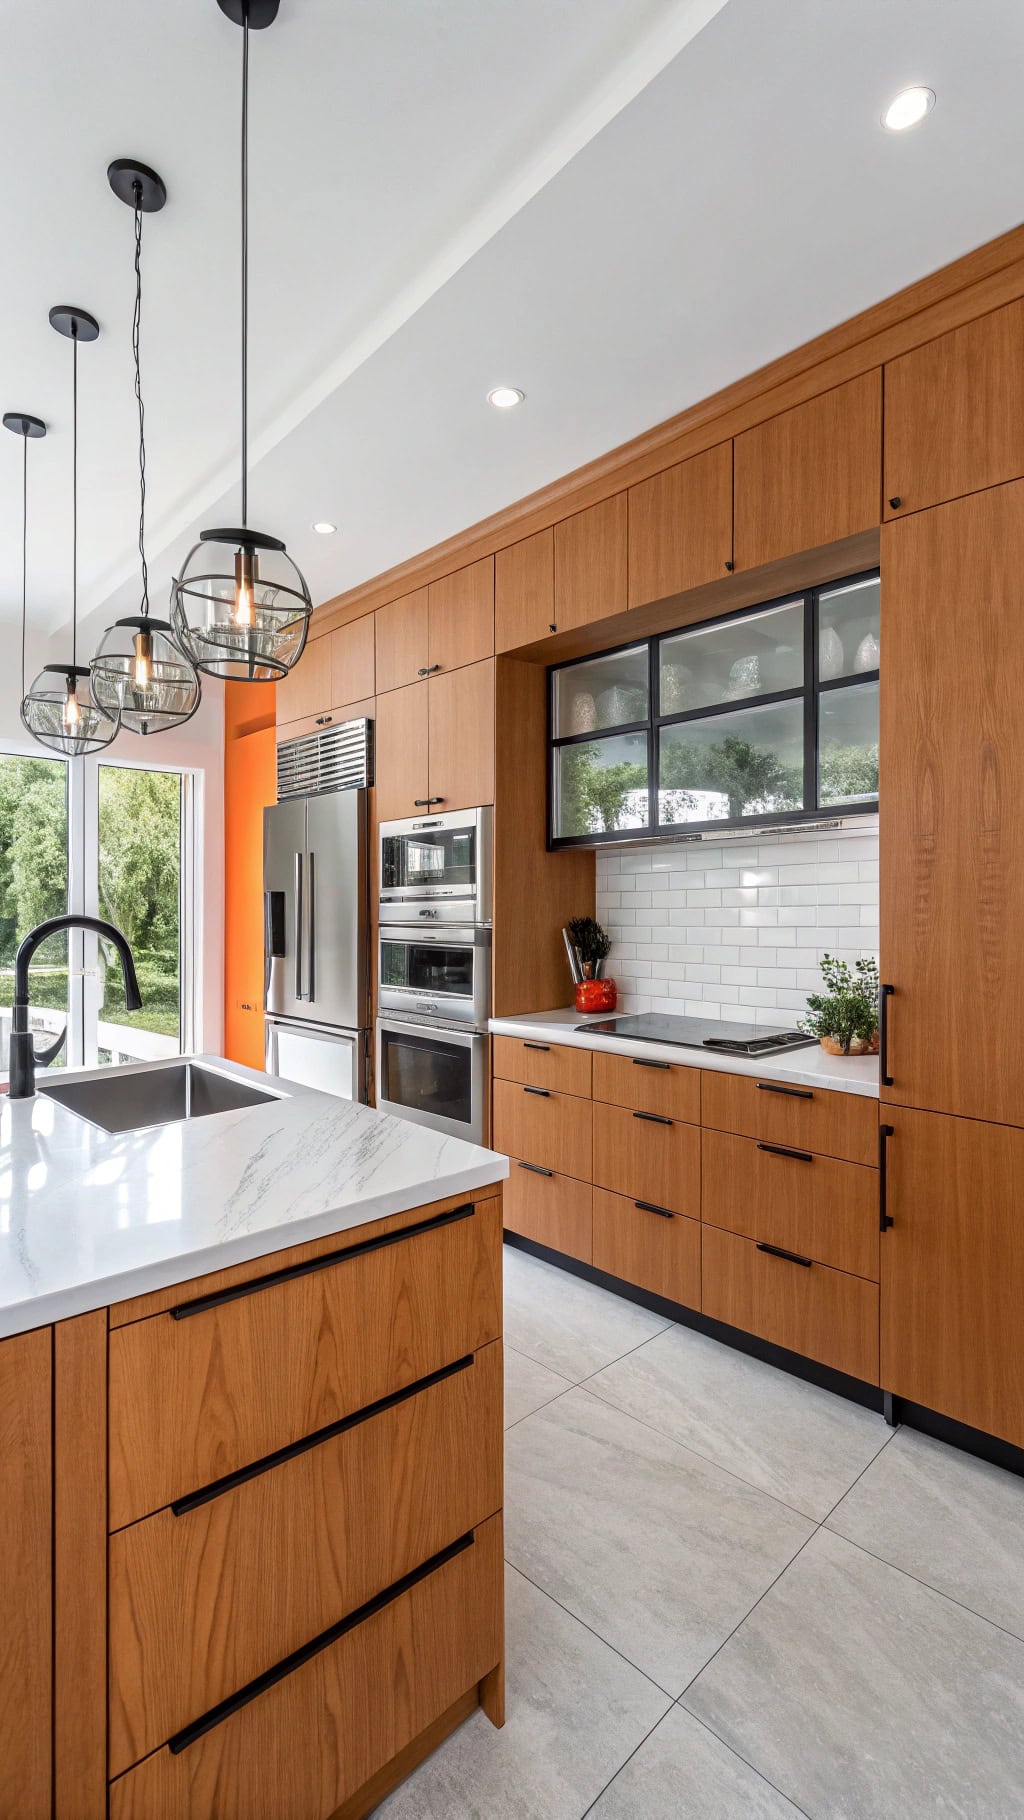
{"points": [[250, 1387]]}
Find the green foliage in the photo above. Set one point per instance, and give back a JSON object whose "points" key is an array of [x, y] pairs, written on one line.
{"points": [[33, 851], [590, 940], [849, 1006], [753, 778], [592, 796], [849, 773]]}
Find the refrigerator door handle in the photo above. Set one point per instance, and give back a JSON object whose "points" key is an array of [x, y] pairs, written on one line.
{"points": [[298, 926], [310, 927]]}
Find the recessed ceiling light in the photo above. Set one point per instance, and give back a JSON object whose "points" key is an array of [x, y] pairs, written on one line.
{"points": [[907, 108], [324, 528], [503, 397]]}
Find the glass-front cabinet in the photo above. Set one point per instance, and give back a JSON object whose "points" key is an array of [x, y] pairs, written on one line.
{"points": [[769, 714]]}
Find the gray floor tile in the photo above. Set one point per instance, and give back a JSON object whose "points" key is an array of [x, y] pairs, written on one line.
{"points": [[575, 1712], [866, 1696], [658, 1551], [528, 1386], [683, 1772], [791, 1439], [570, 1326], [951, 1520]]}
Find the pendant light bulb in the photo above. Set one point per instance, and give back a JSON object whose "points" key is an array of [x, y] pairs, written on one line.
{"points": [[70, 713], [246, 575], [142, 672]]}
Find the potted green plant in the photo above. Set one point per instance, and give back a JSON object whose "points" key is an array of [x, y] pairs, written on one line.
{"points": [[844, 1017]]}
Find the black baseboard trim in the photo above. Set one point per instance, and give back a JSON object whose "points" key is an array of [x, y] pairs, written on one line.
{"points": [[896, 1409]]}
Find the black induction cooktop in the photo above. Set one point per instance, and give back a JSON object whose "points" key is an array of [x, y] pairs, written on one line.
{"points": [[701, 1033]]}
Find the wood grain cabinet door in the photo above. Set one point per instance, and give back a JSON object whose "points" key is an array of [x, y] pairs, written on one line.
{"points": [[401, 769], [353, 665], [591, 564], [952, 806], [810, 475], [953, 1270], [306, 690], [461, 719], [524, 592], [400, 640], [460, 617], [25, 1570], [680, 526], [954, 413]]}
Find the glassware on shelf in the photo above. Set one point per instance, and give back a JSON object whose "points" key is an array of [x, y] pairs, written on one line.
{"points": [[621, 703], [831, 656], [744, 678], [868, 653], [582, 712]]}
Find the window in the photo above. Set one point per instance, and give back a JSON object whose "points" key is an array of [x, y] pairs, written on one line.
{"points": [[33, 886], [770, 714], [139, 879]]}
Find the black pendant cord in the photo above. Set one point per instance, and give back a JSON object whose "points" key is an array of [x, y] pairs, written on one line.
{"points": [[136, 337], [74, 495], [24, 557], [245, 268]]}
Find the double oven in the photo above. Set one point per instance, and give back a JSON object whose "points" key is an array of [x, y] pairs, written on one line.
{"points": [[434, 971]]}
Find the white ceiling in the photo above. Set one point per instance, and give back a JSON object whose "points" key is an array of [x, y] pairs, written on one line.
{"points": [[618, 205]]}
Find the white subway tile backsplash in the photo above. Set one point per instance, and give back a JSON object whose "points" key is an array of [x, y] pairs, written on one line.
{"points": [[736, 933]]}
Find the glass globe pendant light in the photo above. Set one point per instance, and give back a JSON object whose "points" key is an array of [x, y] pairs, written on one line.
{"points": [[241, 607], [30, 429], [60, 709], [139, 672]]}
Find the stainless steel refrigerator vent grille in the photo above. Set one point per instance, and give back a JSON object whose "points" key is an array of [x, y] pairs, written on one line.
{"points": [[340, 758]]}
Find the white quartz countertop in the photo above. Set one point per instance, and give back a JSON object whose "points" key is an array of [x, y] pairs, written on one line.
{"points": [[800, 1068], [88, 1218]]}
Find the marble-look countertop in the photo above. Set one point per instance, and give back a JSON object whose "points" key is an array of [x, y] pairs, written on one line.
{"points": [[88, 1218], [800, 1068]]}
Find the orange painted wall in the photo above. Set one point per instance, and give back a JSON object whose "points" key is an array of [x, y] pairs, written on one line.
{"points": [[250, 783]]}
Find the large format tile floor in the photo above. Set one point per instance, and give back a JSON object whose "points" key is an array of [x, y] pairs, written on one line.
{"points": [[732, 1596]]}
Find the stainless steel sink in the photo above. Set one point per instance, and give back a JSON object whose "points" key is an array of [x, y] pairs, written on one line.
{"points": [[154, 1096]]}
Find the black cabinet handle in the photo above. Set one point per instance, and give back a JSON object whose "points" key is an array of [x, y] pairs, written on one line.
{"points": [[730, 566], [535, 1169], [543, 1047], [895, 502], [543, 1093], [791, 1257], [663, 1213], [324, 720], [793, 1093], [884, 995], [799, 1156], [428, 670], [653, 1118], [885, 1132], [638, 1062], [426, 802]]}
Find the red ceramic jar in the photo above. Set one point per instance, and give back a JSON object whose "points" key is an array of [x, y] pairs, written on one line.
{"points": [[596, 995]]}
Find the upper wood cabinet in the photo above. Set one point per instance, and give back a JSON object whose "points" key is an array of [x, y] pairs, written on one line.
{"points": [[460, 617], [400, 752], [680, 526], [590, 564], [435, 743], [401, 640], [952, 789], [352, 661], [954, 413], [953, 1268], [810, 476], [524, 592], [306, 690], [25, 1570]]}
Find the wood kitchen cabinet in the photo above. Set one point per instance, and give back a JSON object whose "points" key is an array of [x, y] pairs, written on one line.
{"points": [[524, 592], [333, 681], [659, 1252], [680, 526], [25, 1569], [590, 552], [400, 641], [954, 413], [306, 690], [353, 664], [460, 617], [811, 475], [400, 752], [952, 790], [434, 744], [805, 1307], [953, 1269]]}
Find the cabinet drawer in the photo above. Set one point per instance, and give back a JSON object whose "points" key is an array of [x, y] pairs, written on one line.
{"points": [[204, 1599], [656, 1252], [647, 1157], [259, 1367], [815, 1205], [642, 1086], [808, 1308], [552, 1209], [539, 1064], [310, 1740], [808, 1118], [543, 1127]]}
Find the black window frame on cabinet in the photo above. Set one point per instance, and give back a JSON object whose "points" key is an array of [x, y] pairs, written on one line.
{"points": [[810, 693]]}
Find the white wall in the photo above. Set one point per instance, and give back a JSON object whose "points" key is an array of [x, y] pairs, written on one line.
{"points": [[736, 931]]}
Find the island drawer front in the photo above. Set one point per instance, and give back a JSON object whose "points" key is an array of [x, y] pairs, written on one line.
{"points": [[807, 1308], [816, 1205], [647, 1157], [309, 1741], [203, 1601], [644, 1086], [552, 1209], [269, 1365], [643, 1246], [551, 1129], [809, 1118], [536, 1063]]}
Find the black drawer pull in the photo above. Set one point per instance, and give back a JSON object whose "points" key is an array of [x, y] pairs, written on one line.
{"points": [[543, 1093], [653, 1118], [799, 1156], [885, 1132], [428, 669], [791, 1257], [534, 1168], [542, 1047], [201, 1303], [226, 1708], [884, 995], [217, 1487], [663, 1213], [426, 802], [793, 1093], [639, 1062]]}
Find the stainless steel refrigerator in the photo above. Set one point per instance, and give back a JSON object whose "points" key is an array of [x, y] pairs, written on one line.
{"points": [[316, 941]]}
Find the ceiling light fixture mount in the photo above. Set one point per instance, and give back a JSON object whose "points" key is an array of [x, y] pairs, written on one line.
{"points": [[505, 397], [242, 611], [138, 672], [908, 108]]}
